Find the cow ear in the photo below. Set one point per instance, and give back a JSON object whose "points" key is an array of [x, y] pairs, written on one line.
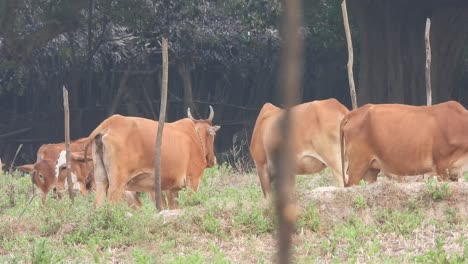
{"points": [[79, 156], [212, 130], [26, 168]]}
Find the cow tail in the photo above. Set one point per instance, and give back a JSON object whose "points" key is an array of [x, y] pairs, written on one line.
{"points": [[342, 150], [97, 132]]}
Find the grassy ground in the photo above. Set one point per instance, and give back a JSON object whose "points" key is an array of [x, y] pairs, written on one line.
{"points": [[227, 221]]}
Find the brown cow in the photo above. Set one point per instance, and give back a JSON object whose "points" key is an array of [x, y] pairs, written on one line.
{"points": [[315, 138], [52, 151], [123, 155], [83, 179], [403, 140], [42, 172]]}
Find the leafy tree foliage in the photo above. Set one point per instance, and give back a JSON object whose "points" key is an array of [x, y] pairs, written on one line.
{"points": [[107, 53]]}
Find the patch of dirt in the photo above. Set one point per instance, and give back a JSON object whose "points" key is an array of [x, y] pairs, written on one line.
{"points": [[338, 204]]}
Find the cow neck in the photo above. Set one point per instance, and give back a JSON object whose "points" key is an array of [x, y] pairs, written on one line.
{"points": [[201, 143]]}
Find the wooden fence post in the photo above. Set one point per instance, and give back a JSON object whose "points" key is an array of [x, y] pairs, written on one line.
{"points": [[352, 89], [290, 73], [66, 111], [427, 41], [162, 119]]}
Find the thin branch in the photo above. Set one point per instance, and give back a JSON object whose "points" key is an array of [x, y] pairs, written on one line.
{"points": [[12, 133]]}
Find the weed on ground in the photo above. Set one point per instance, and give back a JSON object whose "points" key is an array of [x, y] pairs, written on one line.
{"points": [[229, 221]]}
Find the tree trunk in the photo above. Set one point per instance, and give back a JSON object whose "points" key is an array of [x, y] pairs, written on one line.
{"points": [[89, 67], [185, 73], [392, 51], [449, 29]]}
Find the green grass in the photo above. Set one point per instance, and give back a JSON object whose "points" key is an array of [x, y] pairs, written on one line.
{"points": [[438, 191], [227, 221]]}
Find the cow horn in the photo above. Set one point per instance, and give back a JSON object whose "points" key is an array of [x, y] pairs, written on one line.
{"points": [[189, 114], [210, 118]]}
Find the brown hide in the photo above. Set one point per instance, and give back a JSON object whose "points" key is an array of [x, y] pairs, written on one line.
{"points": [[315, 132], [49, 154], [403, 140], [123, 155], [82, 172], [83, 181], [52, 151], [42, 175]]}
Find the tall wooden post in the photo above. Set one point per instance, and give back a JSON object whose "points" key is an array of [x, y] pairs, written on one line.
{"points": [[66, 111], [162, 118], [427, 41], [289, 84], [352, 89]]}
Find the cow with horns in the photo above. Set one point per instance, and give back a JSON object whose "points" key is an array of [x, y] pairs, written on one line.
{"points": [[123, 154]]}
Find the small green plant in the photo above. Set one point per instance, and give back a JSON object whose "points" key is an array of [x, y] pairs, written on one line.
{"points": [[140, 257], [189, 259], [363, 183], [452, 215], [439, 255], [438, 191], [210, 223], [465, 176], [400, 222], [329, 246], [354, 233], [360, 202], [253, 220], [310, 218], [188, 197], [42, 252], [219, 257]]}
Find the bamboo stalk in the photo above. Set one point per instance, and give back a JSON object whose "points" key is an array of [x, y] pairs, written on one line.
{"points": [[162, 118], [352, 89]]}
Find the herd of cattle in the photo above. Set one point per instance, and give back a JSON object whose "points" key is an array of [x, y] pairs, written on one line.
{"points": [[398, 140]]}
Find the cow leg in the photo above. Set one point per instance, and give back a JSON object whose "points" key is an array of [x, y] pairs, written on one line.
{"points": [[265, 182], [164, 204], [101, 191], [195, 183], [442, 172], [83, 188], [371, 175], [132, 199], [116, 190], [357, 172], [172, 197], [163, 199], [335, 165]]}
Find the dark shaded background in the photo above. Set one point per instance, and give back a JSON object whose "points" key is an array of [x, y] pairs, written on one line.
{"points": [[222, 53]]}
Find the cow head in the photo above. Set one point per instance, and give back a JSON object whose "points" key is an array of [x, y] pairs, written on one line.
{"points": [[206, 133], [61, 172], [42, 175]]}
